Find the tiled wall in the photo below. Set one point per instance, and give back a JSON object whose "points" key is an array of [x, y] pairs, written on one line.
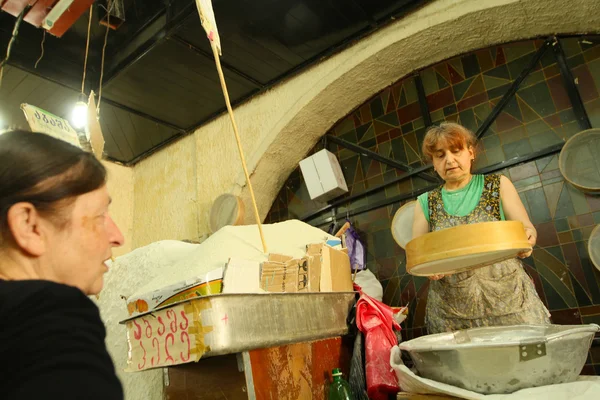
{"points": [[465, 90]]}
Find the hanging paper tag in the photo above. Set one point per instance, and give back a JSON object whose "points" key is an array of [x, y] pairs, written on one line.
{"points": [[95, 131], [44, 122], [207, 19]]}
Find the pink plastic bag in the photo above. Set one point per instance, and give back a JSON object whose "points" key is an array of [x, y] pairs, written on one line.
{"points": [[375, 320]]}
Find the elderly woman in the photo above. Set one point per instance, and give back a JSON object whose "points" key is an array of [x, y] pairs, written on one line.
{"points": [[499, 294], [55, 236]]}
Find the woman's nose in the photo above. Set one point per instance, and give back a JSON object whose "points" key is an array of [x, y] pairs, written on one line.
{"points": [[115, 236]]}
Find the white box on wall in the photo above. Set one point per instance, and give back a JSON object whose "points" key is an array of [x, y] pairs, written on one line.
{"points": [[323, 176]]}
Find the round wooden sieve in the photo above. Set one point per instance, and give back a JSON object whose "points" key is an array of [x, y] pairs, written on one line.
{"points": [[465, 247], [226, 210]]}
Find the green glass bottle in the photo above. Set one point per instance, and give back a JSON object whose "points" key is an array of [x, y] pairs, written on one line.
{"points": [[339, 388]]}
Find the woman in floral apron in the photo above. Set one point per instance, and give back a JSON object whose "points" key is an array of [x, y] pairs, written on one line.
{"points": [[499, 294]]}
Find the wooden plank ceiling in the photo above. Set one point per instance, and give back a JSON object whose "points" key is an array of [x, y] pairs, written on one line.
{"points": [[159, 80]]}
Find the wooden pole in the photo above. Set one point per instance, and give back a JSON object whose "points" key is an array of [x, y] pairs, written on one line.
{"points": [[237, 139]]}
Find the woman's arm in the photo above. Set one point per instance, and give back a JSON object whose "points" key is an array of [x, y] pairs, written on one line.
{"points": [[420, 224], [514, 210], [421, 227]]}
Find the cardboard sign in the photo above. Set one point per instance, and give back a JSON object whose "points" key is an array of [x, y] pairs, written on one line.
{"points": [[209, 283], [164, 338], [44, 122]]}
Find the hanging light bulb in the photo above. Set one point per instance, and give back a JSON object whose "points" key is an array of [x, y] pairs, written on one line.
{"points": [[79, 114], [4, 125]]}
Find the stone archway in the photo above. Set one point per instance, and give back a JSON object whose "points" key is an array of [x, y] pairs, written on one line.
{"points": [[438, 31]]}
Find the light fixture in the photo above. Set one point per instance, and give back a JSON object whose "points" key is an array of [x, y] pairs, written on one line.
{"points": [[3, 125], [79, 115], [57, 11]]}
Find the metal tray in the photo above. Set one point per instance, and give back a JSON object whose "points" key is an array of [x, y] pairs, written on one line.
{"points": [[495, 360], [264, 320], [232, 323]]}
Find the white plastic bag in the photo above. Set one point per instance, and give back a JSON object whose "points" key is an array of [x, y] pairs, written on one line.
{"points": [[369, 284]]}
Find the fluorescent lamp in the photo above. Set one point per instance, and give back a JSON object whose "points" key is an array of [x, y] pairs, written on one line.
{"points": [[57, 11]]}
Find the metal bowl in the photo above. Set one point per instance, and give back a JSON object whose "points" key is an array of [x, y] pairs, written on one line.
{"points": [[496, 360]]}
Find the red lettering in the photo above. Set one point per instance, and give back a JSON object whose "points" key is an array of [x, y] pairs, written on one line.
{"points": [[148, 328], [155, 342], [137, 334], [162, 324], [172, 314], [187, 357], [169, 357], [183, 328], [144, 356]]}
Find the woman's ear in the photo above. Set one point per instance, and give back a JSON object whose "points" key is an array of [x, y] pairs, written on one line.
{"points": [[25, 225]]}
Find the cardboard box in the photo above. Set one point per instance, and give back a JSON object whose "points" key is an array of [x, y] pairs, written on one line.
{"points": [[323, 269], [335, 274], [211, 283], [313, 253], [281, 274], [323, 176]]}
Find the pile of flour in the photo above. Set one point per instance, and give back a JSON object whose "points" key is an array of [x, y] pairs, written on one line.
{"points": [[167, 262], [289, 238]]}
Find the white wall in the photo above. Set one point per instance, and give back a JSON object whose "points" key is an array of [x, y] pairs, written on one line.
{"points": [[120, 186]]}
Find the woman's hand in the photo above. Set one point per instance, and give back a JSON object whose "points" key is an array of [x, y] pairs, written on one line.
{"points": [[436, 277], [531, 238]]}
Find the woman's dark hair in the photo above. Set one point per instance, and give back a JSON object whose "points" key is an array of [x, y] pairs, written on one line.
{"points": [[46, 172]]}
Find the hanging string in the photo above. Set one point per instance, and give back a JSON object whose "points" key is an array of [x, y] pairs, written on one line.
{"points": [[41, 55], [15, 32], [87, 49], [103, 53]]}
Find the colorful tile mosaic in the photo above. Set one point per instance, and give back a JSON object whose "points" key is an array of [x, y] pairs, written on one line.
{"points": [[465, 89]]}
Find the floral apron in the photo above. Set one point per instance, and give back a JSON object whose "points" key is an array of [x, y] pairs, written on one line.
{"points": [[498, 294]]}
